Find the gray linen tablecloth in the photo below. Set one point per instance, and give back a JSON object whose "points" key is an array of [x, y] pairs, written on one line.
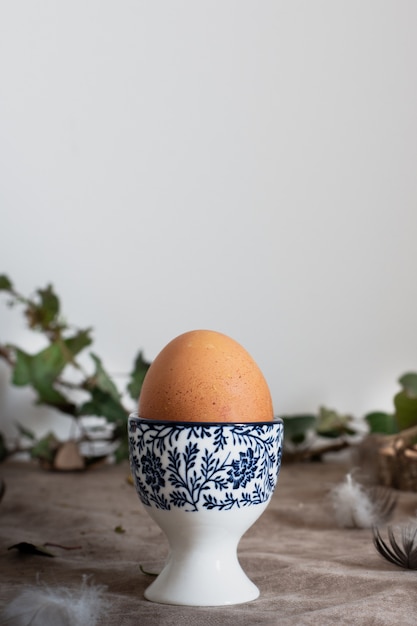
{"points": [[309, 570]]}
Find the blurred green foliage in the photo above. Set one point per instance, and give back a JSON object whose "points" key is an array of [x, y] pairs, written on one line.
{"points": [[48, 371], [404, 415], [301, 429]]}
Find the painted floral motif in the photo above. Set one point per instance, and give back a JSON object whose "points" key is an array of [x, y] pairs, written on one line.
{"points": [[194, 467], [243, 469], [153, 471]]}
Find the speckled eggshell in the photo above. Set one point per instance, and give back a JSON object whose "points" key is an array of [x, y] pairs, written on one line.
{"points": [[205, 376]]}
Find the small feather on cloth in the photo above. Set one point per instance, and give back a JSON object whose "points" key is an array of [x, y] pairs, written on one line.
{"points": [[41, 605], [355, 506]]}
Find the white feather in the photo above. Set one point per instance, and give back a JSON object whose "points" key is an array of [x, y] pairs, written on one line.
{"points": [[352, 505], [40, 605]]}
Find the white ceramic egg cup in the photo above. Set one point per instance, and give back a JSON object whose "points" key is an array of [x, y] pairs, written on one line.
{"points": [[204, 485]]}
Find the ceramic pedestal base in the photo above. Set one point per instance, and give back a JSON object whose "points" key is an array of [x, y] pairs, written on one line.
{"points": [[203, 568]]}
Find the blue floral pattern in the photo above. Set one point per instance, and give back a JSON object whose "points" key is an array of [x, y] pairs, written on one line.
{"points": [[204, 467], [243, 469]]}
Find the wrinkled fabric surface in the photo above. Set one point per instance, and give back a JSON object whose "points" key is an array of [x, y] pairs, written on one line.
{"points": [[308, 570]]}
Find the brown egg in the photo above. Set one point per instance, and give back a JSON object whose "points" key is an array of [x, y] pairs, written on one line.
{"points": [[205, 376]]}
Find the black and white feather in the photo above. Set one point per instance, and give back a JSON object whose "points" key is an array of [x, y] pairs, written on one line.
{"points": [[400, 551]]}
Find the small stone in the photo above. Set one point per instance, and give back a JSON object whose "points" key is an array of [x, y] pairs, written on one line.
{"points": [[68, 457]]}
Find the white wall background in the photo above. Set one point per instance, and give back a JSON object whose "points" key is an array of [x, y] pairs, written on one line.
{"points": [[238, 165]]}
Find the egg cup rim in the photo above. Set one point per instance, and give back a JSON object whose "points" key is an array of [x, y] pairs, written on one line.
{"points": [[134, 416]]}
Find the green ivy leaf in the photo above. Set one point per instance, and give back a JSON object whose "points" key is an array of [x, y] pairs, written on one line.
{"points": [[137, 376], [380, 422], [5, 283], [105, 400], [45, 449], [49, 362], [75, 344], [47, 394], [25, 432], [22, 369], [105, 405], [332, 424], [49, 305], [43, 313], [405, 410], [41, 370], [409, 384], [102, 380], [296, 427]]}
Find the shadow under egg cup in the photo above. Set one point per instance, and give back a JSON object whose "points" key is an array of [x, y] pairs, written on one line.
{"points": [[204, 484]]}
